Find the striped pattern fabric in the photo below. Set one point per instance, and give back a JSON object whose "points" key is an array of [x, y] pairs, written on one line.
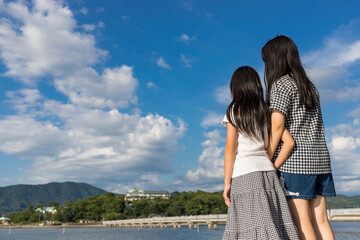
{"points": [[258, 209], [310, 154]]}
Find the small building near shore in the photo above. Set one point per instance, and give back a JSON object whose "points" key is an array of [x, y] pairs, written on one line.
{"points": [[4, 220], [138, 194]]}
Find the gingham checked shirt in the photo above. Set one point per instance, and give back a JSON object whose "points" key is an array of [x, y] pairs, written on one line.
{"points": [[310, 154]]}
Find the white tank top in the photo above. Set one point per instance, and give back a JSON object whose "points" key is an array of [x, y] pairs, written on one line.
{"points": [[251, 155]]}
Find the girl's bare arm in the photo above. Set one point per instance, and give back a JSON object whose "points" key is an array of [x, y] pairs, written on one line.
{"points": [[277, 130], [229, 159], [286, 148]]}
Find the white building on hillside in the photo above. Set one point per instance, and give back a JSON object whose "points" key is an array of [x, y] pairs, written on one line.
{"points": [[138, 194]]}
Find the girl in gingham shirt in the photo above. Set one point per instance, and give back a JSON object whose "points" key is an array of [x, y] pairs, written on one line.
{"points": [[306, 175]]}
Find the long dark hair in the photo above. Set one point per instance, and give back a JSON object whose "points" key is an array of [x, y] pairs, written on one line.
{"points": [[281, 57], [248, 112]]}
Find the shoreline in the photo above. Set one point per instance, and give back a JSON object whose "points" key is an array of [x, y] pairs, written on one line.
{"points": [[96, 225], [64, 225]]}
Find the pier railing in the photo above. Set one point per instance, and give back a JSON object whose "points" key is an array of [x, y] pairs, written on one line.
{"points": [[212, 221], [344, 214], [192, 221]]}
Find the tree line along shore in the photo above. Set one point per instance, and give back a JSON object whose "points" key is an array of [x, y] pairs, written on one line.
{"points": [[110, 206], [113, 207]]}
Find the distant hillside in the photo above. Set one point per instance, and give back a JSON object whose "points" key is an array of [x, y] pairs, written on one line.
{"points": [[342, 201], [19, 197]]}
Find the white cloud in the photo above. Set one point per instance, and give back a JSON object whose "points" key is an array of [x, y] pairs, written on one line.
{"points": [[186, 38], [210, 172], [89, 27], [212, 119], [90, 145], [146, 182], [84, 10], [329, 66], [187, 60], [114, 88], [344, 143], [355, 113], [161, 63], [335, 53], [151, 85], [30, 138], [152, 178], [24, 99], [349, 187], [87, 138], [222, 95], [48, 45], [344, 150], [44, 42]]}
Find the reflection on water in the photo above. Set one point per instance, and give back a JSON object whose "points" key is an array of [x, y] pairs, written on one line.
{"points": [[343, 231]]}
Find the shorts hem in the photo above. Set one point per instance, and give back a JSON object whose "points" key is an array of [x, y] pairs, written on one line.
{"points": [[301, 197], [327, 194], [311, 196]]}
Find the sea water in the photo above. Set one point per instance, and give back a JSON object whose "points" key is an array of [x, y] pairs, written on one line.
{"points": [[343, 231]]}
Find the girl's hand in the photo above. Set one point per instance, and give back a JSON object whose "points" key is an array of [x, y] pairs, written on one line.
{"points": [[226, 194]]}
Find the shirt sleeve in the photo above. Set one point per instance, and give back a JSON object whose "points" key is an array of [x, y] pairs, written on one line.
{"points": [[280, 97], [224, 121]]}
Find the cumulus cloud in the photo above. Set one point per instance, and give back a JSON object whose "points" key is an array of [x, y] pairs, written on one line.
{"points": [[349, 187], [162, 63], [212, 119], [89, 27], [85, 137], [84, 10], [186, 38], [222, 95], [114, 88], [210, 172], [344, 150], [90, 145], [339, 143], [44, 43], [151, 85], [30, 138], [330, 65], [24, 99], [147, 182]]}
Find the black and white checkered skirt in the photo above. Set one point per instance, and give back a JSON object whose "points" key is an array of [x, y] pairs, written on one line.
{"points": [[258, 209]]}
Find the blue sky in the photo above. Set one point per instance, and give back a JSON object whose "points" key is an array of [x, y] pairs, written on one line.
{"points": [[130, 93]]}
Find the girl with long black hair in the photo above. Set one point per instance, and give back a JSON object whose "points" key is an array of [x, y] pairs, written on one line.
{"points": [[252, 191], [306, 175]]}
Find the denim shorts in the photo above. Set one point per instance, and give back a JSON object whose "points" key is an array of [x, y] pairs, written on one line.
{"points": [[307, 186]]}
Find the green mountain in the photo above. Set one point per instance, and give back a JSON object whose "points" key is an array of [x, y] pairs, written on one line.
{"points": [[342, 201], [19, 197]]}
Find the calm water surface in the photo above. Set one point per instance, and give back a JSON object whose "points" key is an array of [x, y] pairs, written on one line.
{"points": [[343, 231]]}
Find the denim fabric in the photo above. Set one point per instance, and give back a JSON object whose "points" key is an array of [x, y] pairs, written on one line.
{"points": [[306, 186]]}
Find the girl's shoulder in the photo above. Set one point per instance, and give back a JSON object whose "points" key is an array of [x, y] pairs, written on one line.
{"points": [[286, 82], [286, 79]]}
